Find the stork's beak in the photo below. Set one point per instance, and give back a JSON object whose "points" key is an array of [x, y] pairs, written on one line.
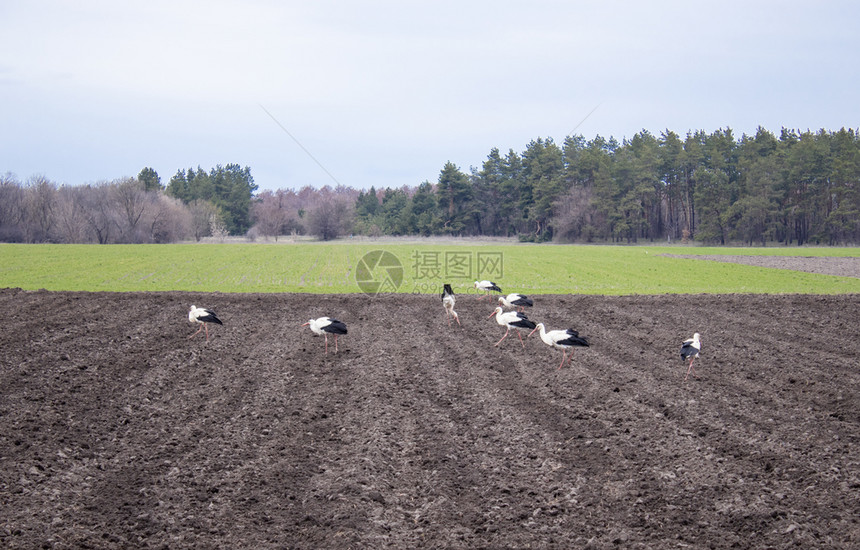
{"points": [[532, 332], [491, 314], [306, 324]]}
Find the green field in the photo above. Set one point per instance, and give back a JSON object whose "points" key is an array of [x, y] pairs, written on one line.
{"points": [[331, 268]]}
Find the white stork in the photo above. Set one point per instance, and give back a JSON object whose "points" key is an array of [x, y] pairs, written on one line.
{"points": [[689, 351], [518, 301], [561, 339], [326, 326], [448, 301], [512, 319], [203, 317], [487, 287]]}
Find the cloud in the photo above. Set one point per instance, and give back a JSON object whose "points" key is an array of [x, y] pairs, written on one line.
{"points": [[380, 90]]}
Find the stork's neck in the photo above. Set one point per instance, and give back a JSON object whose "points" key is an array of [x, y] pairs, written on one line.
{"points": [[544, 336], [499, 315]]}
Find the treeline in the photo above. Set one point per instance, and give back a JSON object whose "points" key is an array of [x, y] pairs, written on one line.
{"points": [[798, 188], [120, 211], [194, 204], [795, 189]]}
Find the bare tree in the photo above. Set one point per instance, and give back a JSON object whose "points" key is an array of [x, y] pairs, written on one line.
{"points": [[275, 213], [218, 228], [98, 211], [105, 212], [169, 220], [202, 212], [71, 223], [330, 218], [131, 201], [41, 202], [12, 213]]}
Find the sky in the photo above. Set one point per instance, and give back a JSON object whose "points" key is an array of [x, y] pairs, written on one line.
{"points": [[385, 93]]}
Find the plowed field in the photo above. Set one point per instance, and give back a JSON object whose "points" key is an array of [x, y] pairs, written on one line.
{"points": [[117, 431]]}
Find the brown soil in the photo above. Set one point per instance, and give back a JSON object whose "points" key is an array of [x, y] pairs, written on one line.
{"points": [[839, 266], [117, 431]]}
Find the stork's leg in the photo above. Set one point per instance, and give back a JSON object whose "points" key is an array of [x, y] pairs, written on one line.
{"points": [[325, 334], [503, 337], [563, 357], [335, 343], [196, 333], [521, 339], [207, 331], [458, 320], [690, 369]]}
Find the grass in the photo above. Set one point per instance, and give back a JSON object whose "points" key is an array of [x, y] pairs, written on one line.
{"points": [[331, 268]]}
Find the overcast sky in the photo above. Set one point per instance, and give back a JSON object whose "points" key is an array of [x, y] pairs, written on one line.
{"points": [[385, 92]]}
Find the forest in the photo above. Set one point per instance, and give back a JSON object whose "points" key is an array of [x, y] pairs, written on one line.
{"points": [[793, 189]]}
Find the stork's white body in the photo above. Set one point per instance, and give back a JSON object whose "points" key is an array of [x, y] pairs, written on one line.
{"points": [[448, 302], [690, 351], [202, 316], [486, 287], [325, 326], [515, 300], [512, 320], [561, 339]]}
